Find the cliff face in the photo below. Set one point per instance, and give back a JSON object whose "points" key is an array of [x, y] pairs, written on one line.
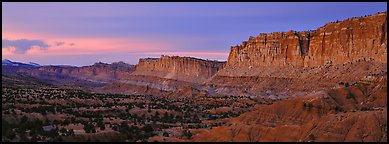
{"points": [[335, 43], [178, 68], [98, 71]]}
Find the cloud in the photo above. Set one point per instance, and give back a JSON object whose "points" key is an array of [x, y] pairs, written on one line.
{"points": [[21, 46], [7, 51], [59, 43]]}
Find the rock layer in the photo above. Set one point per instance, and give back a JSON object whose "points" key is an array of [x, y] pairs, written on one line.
{"points": [[97, 72], [87, 76], [178, 68], [334, 43]]}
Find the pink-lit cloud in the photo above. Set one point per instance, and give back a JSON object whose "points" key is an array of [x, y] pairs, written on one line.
{"points": [[35, 50], [7, 51], [20, 46], [103, 45], [90, 45]]}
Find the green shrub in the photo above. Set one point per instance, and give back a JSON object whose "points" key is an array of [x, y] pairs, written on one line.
{"points": [[346, 84], [365, 108], [310, 106], [187, 134], [312, 137], [338, 109], [350, 95]]}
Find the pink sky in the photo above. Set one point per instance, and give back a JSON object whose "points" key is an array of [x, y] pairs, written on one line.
{"points": [[96, 46], [84, 33]]}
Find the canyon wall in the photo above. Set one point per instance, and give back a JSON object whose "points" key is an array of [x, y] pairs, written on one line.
{"points": [[334, 43], [97, 72], [286, 64], [178, 68]]}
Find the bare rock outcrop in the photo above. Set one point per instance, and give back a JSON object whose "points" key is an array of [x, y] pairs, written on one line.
{"points": [[178, 68], [335, 43], [96, 72], [354, 113], [299, 62]]}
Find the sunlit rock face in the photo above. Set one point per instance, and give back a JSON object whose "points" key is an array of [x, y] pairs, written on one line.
{"points": [[290, 63], [334, 43], [98, 71], [178, 68]]}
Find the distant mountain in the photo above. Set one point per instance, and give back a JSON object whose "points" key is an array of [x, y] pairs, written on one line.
{"points": [[7, 62], [34, 64], [87, 76]]}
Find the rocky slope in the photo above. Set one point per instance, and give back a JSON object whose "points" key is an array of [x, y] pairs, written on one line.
{"points": [[278, 83], [345, 127], [352, 113], [145, 85], [178, 68]]}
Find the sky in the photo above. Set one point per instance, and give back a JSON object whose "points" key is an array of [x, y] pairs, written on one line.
{"points": [[81, 34]]}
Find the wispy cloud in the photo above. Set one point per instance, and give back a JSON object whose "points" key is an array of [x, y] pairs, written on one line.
{"points": [[59, 43], [21, 46]]}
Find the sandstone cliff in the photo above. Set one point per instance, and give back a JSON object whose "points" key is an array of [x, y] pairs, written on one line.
{"points": [[289, 63], [329, 84], [87, 76], [178, 68], [334, 43], [96, 72]]}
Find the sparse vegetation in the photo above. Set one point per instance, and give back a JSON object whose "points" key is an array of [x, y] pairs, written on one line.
{"points": [[319, 110], [186, 133], [338, 109], [346, 84], [312, 137], [377, 74], [365, 108], [89, 128], [350, 96], [106, 113], [310, 105]]}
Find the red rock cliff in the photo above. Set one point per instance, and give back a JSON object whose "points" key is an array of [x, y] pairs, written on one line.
{"points": [[178, 68], [98, 71], [335, 42]]}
